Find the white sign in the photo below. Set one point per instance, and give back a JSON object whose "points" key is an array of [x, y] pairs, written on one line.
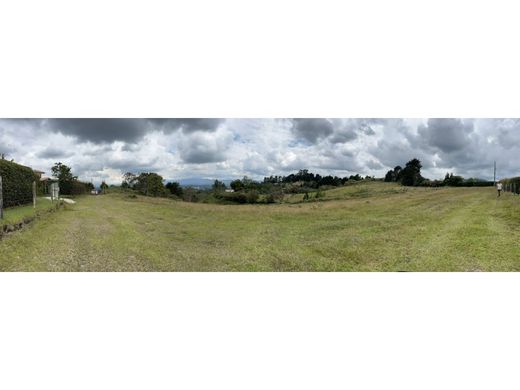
{"points": [[55, 191]]}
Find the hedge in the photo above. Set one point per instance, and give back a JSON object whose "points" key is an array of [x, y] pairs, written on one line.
{"points": [[512, 183], [77, 188], [17, 183]]}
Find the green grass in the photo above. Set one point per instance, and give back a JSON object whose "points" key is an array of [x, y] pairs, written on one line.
{"points": [[366, 227], [17, 214]]}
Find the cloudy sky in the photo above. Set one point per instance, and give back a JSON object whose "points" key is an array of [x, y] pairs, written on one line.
{"points": [[103, 149]]}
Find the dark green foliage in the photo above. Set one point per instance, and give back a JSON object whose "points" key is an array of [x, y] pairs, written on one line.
{"points": [[103, 187], [307, 179], [411, 174], [511, 185], [394, 175], [175, 189], [150, 184], [389, 177], [218, 186], [146, 183], [17, 183], [458, 181], [239, 197], [454, 181], [79, 188], [65, 178], [237, 185]]}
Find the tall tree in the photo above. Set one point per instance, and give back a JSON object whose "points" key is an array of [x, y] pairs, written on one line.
{"points": [[150, 184], [411, 174], [65, 177], [218, 186]]}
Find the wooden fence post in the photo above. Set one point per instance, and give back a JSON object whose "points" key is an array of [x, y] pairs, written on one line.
{"points": [[34, 194], [1, 200]]}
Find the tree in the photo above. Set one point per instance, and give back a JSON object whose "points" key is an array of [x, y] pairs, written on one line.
{"points": [[65, 177], [451, 180], [104, 186], [411, 174], [390, 176], [150, 184], [129, 180], [237, 185], [218, 186], [175, 188], [398, 171]]}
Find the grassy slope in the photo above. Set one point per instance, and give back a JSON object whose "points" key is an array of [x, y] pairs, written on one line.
{"points": [[17, 214], [370, 227]]}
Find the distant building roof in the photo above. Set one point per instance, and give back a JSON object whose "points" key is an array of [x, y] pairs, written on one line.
{"points": [[46, 178]]}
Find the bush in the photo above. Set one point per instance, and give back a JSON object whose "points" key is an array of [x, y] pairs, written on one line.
{"points": [[319, 194], [241, 197], [17, 183]]}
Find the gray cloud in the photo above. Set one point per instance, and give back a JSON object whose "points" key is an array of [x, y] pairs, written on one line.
{"points": [[312, 129], [447, 135], [99, 130], [187, 125], [106, 130], [53, 151]]}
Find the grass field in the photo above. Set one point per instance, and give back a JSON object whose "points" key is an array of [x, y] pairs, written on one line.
{"points": [[368, 227], [16, 214]]}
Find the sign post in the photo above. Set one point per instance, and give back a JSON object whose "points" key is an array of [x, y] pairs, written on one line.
{"points": [[34, 194]]}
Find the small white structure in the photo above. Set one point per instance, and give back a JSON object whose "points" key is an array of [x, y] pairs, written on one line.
{"points": [[230, 190], [94, 192], [55, 191]]}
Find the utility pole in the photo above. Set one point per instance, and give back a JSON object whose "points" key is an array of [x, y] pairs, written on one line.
{"points": [[495, 174]]}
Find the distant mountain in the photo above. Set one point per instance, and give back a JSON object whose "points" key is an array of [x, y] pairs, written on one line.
{"points": [[199, 182]]}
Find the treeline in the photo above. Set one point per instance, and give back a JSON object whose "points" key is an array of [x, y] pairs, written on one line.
{"points": [[410, 175], [312, 180], [246, 190], [273, 188]]}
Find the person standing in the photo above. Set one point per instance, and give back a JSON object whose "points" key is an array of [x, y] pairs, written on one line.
{"points": [[499, 188]]}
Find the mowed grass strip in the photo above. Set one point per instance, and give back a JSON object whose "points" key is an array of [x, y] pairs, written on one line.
{"points": [[17, 214], [371, 227]]}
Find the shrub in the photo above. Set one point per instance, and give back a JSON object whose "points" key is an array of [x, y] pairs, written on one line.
{"points": [[319, 194], [252, 196], [17, 183]]}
